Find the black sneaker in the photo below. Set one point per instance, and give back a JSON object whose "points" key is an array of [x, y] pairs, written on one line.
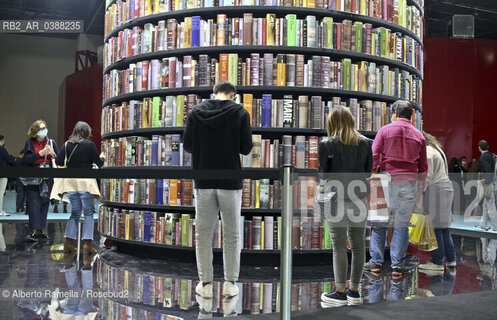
{"points": [[35, 237], [399, 272], [44, 236], [353, 297], [335, 298], [373, 268]]}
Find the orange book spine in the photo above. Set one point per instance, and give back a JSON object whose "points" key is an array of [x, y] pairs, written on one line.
{"points": [[247, 104], [223, 67], [173, 192]]}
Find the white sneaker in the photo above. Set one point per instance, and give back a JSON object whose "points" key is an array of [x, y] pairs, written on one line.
{"points": [[230, 289], [452, 264], [431, 266], [4, 214], [204, 291], [229, 305]]}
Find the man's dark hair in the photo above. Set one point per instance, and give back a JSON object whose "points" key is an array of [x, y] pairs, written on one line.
{"points": [[403, 109], [483, 144], [1, 137], [225, 87]]}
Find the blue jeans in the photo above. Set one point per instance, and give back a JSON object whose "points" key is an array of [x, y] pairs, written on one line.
{"points": [[84, 304], [402, 202], [80, 201], [445, 247], [376, 291]]}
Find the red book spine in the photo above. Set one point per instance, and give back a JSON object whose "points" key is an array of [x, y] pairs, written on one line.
{"points": [[145, 65], [172, 72], [249, 235], [264, 31], [339, 36]]}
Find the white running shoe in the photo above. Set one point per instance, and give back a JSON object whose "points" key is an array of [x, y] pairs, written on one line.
{"points": [[229, 305], [204, 291], [431, 266], [230, 289], [4, 214]]}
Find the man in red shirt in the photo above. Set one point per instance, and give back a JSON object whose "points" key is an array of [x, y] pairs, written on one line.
{"points": [[399, 149]]}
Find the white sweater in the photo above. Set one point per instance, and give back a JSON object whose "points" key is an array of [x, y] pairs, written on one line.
{"points": [[438, 170]]}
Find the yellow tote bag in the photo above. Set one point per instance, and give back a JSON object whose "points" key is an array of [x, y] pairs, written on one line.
{"points": [[416, 227]]}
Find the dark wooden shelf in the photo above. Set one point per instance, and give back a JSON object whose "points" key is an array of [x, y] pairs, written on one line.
{"points": [[184, 209], [308, 52], [276, 91], [184, 248], [255, 130], [281, 11]]}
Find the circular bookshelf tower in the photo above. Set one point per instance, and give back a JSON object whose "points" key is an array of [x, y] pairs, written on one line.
{"points": [[292, 62]]}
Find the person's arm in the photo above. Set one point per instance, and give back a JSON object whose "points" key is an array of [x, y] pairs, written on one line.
{"points": [[245, 134], [95, 156], [369, 161], [188, 133], [422, 167], [62, 155], [7, 157], [30, 156], [377, 149]]}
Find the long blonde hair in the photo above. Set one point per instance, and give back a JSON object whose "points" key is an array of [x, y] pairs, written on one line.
{"points": [[432, 141], [341, 124]]}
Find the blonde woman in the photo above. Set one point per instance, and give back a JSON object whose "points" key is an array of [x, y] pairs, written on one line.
{"points": [[347, 157]]}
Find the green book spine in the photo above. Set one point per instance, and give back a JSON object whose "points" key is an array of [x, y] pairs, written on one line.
{"points": [[328, 33], [185, 228], [327, 287], [291, 29], [180, 106], [156, 111], [184, 294], [327, 237], [346, 73], [233, 67], [383, 42], [358, 36]]}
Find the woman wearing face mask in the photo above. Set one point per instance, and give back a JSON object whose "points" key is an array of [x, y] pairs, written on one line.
{"points": [[38, 150], [5, 160]]}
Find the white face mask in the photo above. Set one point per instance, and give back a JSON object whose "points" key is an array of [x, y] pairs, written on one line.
{"points": [[42, 133]]}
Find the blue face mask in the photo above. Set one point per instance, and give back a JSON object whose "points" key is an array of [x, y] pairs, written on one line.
{"points": [[42, 133]]}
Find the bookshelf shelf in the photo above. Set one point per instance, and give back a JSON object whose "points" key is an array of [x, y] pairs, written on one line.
{"points": [[244, 251], [184, 209], [417, 5], [274, 90], [340, 54], [175, 311], [255, 130], [234, 11]]}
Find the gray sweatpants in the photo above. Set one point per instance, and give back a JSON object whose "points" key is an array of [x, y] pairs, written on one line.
{"points": [[356, 230], [208, 202], [489, 212]]}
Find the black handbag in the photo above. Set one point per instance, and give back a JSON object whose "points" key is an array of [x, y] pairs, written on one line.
{"points": [[36, 181]]}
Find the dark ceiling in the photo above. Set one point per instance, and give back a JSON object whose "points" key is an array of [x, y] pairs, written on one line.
{"points": [[90, 11], [439, 16]]}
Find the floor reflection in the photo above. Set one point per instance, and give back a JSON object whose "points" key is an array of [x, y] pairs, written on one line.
{"points": [[159, 289]]}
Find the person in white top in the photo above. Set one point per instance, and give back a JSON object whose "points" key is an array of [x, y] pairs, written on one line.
{"points": [[437, 202]]}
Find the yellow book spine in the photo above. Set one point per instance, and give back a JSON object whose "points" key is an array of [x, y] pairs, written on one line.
{"points": [[262, 236], [356, 77], [188, 32], [192, 73], [127, 227], [257, 193]]}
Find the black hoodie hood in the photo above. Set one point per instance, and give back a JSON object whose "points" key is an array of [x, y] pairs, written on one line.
{"points": [[215, 113]]}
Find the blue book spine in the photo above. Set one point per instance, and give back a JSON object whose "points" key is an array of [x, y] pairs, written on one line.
{"points": [[146, 289], [195, 31], [266, 110], [146, 227], [175, 150], [159, 191], [155, 150], [131, 9], [115, 224], [131, 117]]}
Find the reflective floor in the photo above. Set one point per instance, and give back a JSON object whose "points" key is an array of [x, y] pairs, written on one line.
{"points": [[37, 281]]}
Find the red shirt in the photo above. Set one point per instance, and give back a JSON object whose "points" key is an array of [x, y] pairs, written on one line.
{"points": [[38, 146], [400, 149]]}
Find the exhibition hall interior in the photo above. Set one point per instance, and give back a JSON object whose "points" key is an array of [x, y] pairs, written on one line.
{"points": [[259, 159]]}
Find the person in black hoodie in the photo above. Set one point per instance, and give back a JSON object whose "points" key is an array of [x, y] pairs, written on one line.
{"points": [[216, 133], [5, 160]]}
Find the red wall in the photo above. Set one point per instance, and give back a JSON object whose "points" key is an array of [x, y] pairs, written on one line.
{"points": [[458, 85], [80, 99]]}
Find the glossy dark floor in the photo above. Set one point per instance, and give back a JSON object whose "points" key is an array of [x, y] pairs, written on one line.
{"points": [[126, 287]]}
